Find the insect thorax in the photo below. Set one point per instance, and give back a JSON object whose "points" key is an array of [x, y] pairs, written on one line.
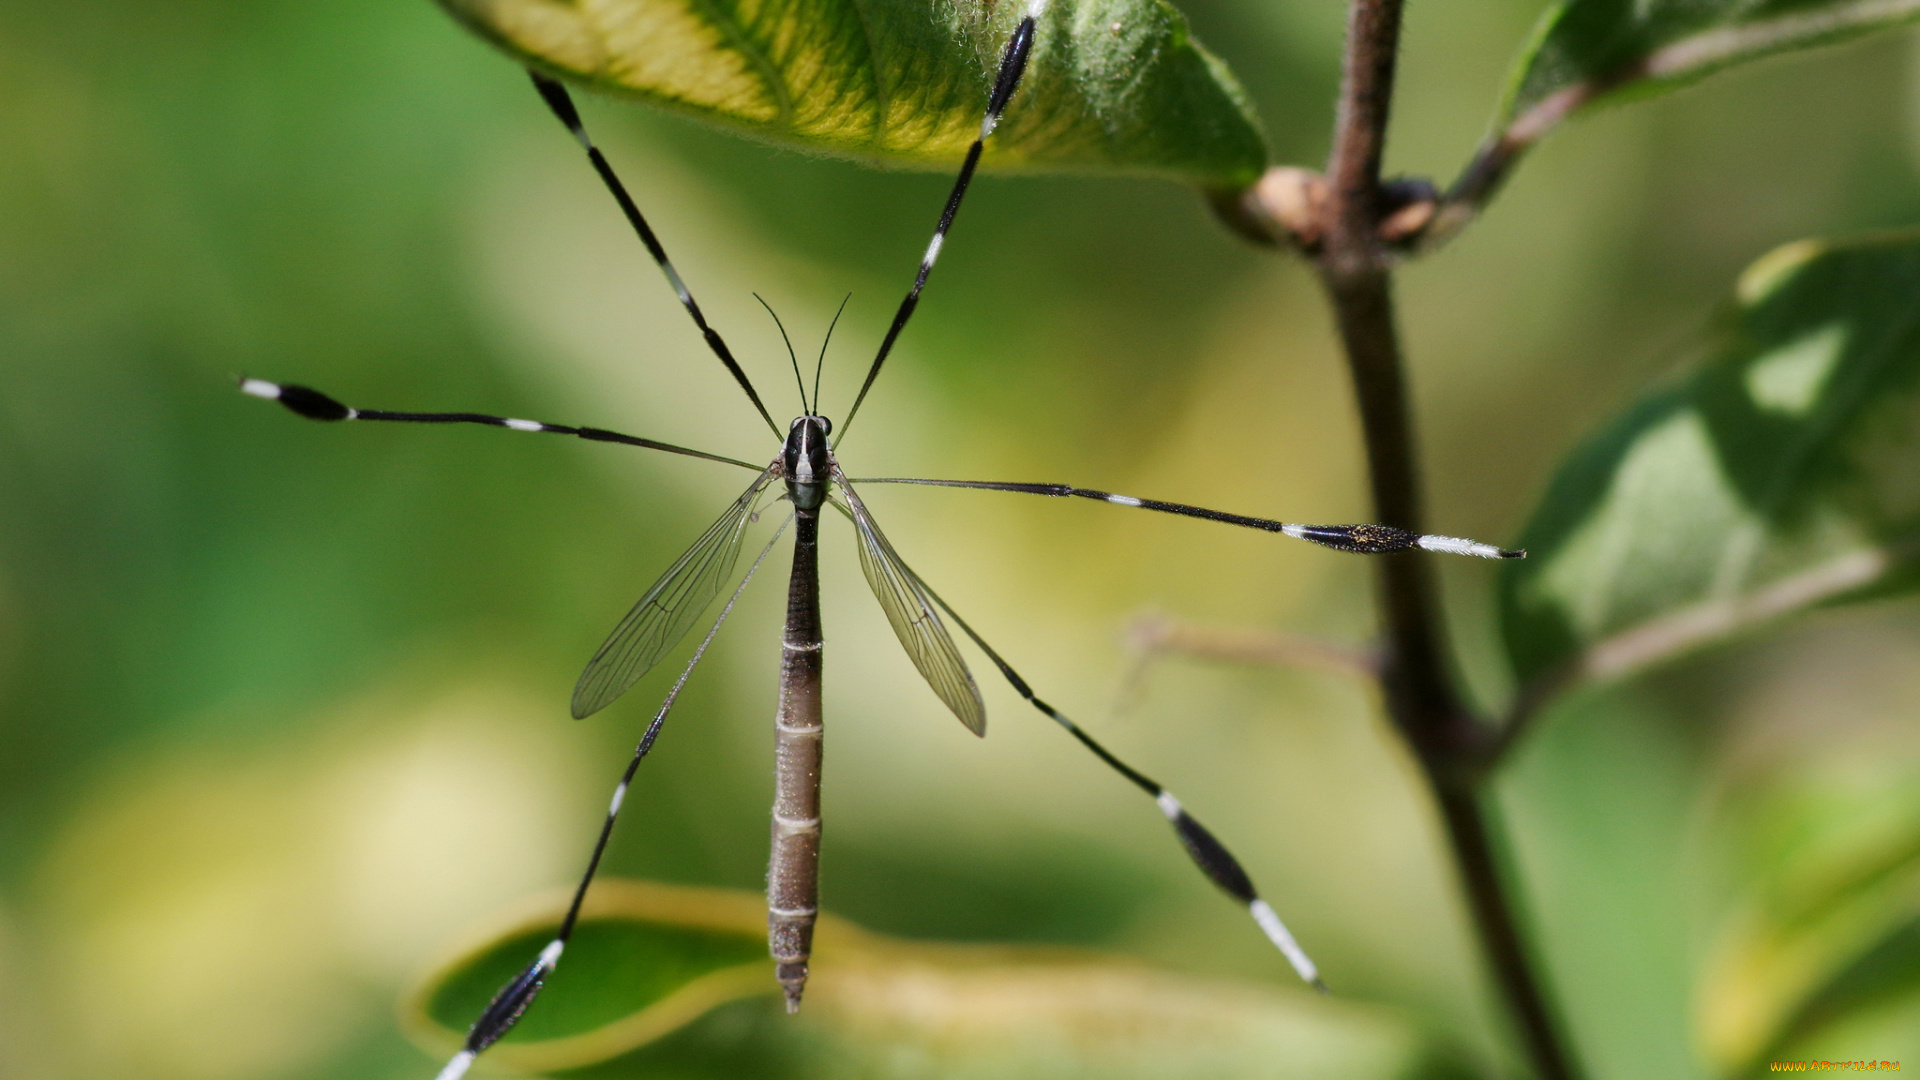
{"points": [[807, 461]]}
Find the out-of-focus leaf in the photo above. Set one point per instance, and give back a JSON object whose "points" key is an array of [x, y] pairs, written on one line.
{"points": [[1781, 473], [1598, 811], [1586, 50], [1111, 84], [653, 966], [1828, 933], [1887, 1030], [1872, 1006]]}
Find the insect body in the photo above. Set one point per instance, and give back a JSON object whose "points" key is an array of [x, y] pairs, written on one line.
{"points": [[810, 479], [793, 863]]}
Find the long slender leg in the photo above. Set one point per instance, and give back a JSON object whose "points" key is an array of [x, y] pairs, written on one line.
{"points": [[793, 868], [555, 95], [315, 405], [1364, 539], [1207, 852], [511, 1002], [1013, 63]]}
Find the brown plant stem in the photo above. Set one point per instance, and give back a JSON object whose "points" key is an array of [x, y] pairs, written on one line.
{"points": [[1416, 676]]}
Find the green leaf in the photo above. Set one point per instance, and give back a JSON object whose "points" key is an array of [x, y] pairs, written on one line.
{"points": [[673, 980], [1781, 473], [1587, 50], [644, 961], [1111, 84]]}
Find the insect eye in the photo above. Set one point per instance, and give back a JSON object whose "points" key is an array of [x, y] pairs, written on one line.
{"points": [[826, 426]]}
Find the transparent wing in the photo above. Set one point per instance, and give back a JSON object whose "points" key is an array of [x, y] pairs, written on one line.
{"points": [[668, 610], [913, 616]]}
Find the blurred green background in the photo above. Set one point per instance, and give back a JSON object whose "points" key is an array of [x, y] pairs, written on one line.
{"points": [[285, 704]]}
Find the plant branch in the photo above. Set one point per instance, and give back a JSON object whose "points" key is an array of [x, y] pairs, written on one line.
{"points": [[1154, 635], [1658, 640], [1480, 181], [1474, 850], [1417, 677], [1676, 60], [1360, 125], [1355, 270]]}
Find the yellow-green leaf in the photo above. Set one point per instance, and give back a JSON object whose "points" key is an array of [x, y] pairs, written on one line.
{"points": [[1782, 472], [1827, 931], [673, 978], [1111, 84]]}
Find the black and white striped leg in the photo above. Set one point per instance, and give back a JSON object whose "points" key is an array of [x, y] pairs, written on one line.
{"points": [[557, 99], [1206, 850], [511, 1002], [1364, 539], [315, 405], [1013, 64]]}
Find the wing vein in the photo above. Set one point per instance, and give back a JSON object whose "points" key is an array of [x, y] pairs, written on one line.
{"points": [[664, 614], [911, 614]]}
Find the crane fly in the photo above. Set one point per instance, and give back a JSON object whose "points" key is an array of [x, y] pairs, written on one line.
{"points": [[807, 474]]}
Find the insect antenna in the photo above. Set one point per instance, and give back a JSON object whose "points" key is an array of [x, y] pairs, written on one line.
{"points": [[1013, 64], [821, 362], [798, 380], [557, 99]]}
